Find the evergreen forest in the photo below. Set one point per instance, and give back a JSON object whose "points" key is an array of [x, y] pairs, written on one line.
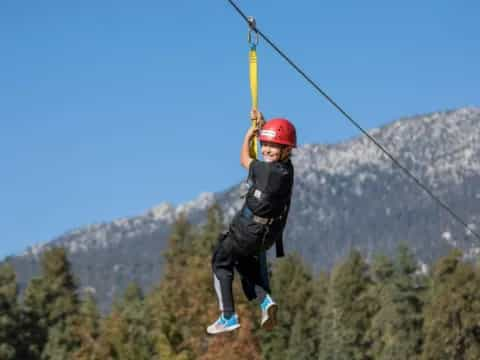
{"points": [[382, 308]]}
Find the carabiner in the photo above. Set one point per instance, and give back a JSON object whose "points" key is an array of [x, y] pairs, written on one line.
{"points": [[252, 40]]}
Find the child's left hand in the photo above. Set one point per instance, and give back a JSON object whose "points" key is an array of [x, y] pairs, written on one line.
{"points": [[252, 131], [257, 116]]}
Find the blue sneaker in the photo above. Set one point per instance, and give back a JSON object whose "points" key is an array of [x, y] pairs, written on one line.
{"points": [[269, 313], [224, 325]]}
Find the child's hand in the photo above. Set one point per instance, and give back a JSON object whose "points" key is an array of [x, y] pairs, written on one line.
{"points": [[252, 131], [257, 116]]}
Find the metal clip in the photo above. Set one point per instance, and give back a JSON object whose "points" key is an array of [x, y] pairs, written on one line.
{"points": [[252, 24]]}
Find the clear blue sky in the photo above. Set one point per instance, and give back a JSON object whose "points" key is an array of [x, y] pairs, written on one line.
{"points": [[109, 108]]}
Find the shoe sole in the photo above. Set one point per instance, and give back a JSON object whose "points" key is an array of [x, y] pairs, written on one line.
{"points": [[271, 322], [223, 330]]}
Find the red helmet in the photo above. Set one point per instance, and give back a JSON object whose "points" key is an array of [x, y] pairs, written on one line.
{"points": [[279, 131]]}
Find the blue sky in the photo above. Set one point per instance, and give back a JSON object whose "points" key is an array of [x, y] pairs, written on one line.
{"points": [[109, 108]]}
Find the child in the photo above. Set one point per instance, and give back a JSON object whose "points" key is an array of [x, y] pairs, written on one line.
{"points": [[258, 225]]}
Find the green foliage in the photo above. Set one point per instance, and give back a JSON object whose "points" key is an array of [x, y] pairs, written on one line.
{"points": [[207, 238], [396, 328], [179, 245], [34, 334], [50, 309], [62, 301], [452, 318], [9, 314], [126, 332], [384, 310], [349, 311], [185, 303], [300, 303], [87, 329], [170, 327]]}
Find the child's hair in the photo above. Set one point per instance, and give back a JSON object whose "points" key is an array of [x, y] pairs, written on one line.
{"points": [[290, 153]]}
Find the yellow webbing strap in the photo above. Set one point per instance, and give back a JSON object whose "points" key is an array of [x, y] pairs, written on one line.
{"points": [[254, 93]]}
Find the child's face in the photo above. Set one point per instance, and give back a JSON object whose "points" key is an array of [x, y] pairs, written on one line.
{"points": [[271, 152]]}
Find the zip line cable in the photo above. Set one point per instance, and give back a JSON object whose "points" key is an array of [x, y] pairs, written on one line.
{"points": [[356, 124]]}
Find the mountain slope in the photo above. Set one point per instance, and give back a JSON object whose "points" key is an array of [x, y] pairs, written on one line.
{"points": [[346, 195]]}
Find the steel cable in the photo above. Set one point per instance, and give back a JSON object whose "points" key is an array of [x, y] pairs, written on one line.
{"points": [[356, 124]]}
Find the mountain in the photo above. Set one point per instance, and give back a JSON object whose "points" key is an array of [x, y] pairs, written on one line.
{"points": [[346, 195]]}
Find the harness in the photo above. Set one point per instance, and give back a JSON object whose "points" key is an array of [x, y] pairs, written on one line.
{"points": [[245, 212], [248, 214]]}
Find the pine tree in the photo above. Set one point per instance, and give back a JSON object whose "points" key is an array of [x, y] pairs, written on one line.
{"points": [[452, 319], [300, 304], [409, 291], [319, 309], [126, 331], [185, 303], [9, 314], [51, 308], [207, 238], [349, 311], [34, 334], [87, 329], [396, 328], [169, 330], [379, 333]]}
